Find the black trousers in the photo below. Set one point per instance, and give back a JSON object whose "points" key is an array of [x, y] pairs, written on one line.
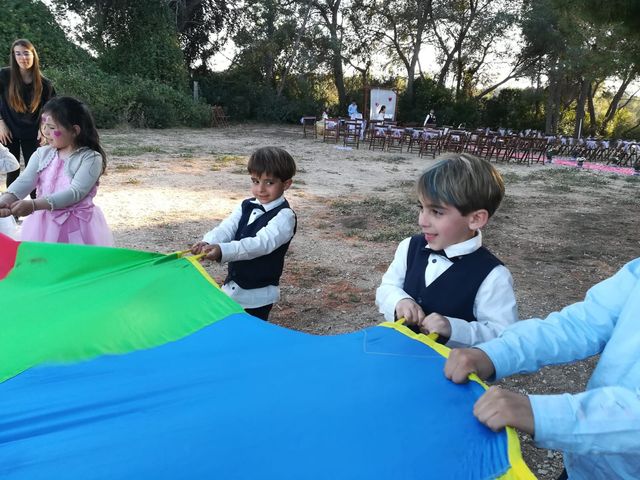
{"points": [[260, 312], [28, 147]]}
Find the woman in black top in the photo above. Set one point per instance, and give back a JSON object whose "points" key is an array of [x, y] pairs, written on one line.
{"points": [[23, 93]]}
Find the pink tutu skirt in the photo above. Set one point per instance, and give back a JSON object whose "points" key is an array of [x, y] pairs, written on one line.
{"points": [[84, 226]]}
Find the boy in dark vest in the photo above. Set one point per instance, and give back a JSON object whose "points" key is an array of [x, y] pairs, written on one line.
{"points": [[255, 237], [444, 281]]}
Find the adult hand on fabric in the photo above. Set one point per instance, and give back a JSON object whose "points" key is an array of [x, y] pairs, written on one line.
{"points": [[498, 408], [463, 361]]}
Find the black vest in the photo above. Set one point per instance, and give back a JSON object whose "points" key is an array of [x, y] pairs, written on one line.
{"points": [[453, 293], [261, 271]]}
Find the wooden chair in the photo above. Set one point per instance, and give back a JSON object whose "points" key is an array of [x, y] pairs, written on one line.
{"points": [[309, 126], [395, 139], [570, 147], [501, 146], [352, 131], [455, 141], [539, 149], [430, 142], [377, 138], [371, 126], [484, 145], [331, 130], [475, 142], [522, 151], [218, 117], [618, 153], [516, 149], [413, 139]]}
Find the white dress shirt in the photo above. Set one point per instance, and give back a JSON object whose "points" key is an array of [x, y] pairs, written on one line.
{"points": [[8, 162], [494, 306], [276, 233]]}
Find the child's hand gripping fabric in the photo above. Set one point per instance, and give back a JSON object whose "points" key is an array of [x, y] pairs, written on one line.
{"points": [[210, 252], [408, 309], [436, 323], [5, 204], [5, 210], [197, 248], [413, 315], [22, 208]]}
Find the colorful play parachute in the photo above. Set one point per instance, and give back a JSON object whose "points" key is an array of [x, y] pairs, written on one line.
{"points": [[120, 364]]}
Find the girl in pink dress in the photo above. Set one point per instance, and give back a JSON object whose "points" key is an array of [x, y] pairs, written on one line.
{"points": [[65, 174]]}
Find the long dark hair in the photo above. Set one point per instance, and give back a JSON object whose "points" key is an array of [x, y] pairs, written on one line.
{"points": [[16, 83], [67, 111]]}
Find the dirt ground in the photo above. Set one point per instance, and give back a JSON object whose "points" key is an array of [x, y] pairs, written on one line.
{"points": [[559, 230]]}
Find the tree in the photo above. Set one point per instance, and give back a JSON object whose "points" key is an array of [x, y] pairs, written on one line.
{"points": [[196, 22], [402, 25], [467, 34], [332, 14], [265, 36], [134, 38], [577, 55], [624, 12], [33, 20]]}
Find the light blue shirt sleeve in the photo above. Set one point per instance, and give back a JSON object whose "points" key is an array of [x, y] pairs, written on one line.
{"points": [[598, 428], [576, 332], [599, 421]]}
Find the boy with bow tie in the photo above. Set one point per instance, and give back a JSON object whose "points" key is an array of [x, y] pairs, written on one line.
{"points": [[444, 281], [255, 237]]}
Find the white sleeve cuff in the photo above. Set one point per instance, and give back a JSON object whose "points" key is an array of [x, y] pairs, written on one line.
{"points": [[460, 334]]}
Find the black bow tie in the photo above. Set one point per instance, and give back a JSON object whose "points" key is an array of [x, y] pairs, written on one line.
{"points": [[258, 206], [442, 253]]}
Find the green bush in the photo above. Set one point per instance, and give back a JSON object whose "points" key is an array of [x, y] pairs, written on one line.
{"points": [[515, 108], [34, 21], [427, 95], [245, 99], [127, 99]]}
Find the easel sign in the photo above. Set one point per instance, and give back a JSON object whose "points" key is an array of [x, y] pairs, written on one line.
{"points": [[380, 97]]}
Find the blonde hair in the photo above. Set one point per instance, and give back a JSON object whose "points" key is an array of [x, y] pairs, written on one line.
{"points": [[16, 83], [465, 181]]}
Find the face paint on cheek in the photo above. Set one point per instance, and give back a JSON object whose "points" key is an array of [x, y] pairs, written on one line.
{"points": [[57, 133]]}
